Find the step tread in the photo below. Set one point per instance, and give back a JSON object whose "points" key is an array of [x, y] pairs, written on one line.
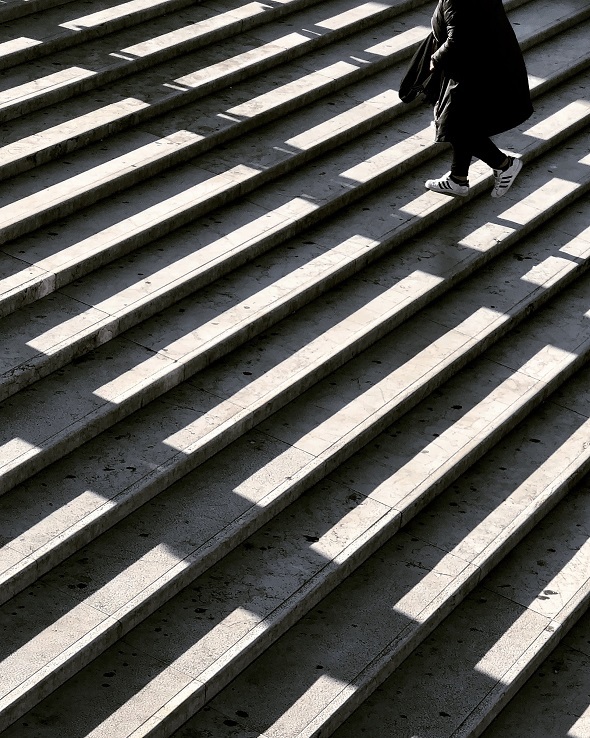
{"points": [[109, 396], [326, 421], [478, 245], [237, 602], [216, 65]]}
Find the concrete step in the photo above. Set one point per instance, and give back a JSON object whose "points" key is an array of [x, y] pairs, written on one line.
{"points": [[555, 699], [96, 309], [212, 67], [60, 525], [61, 26], [31, 271], [77, 516], [11, 9], [108, 390], [36, 139], [443, 621], [325, 425], [247, 600], [42, 136]]}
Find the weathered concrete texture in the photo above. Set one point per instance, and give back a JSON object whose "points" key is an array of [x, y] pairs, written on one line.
{"points": [[556, 699], [278, 427]]}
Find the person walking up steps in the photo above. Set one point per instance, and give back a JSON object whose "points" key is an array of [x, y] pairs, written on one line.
{"points": [[483, 90]]}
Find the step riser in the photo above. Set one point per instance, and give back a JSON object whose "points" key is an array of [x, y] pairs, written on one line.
{"points": [[242, 127], [16, 10], [59, 43], [106, 636], [83, 431], [124, 69]]}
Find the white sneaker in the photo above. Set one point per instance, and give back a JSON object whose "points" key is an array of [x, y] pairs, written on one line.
{"points": [[446, 186], [504, 179]]}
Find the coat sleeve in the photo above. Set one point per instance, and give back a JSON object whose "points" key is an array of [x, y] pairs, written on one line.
{"points": [[453, 54]]}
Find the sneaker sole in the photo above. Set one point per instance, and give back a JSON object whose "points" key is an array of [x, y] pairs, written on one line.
{"points": [[448, 193]]}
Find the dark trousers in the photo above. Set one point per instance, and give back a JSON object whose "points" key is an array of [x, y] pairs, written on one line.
{"points": [[480, 147]]}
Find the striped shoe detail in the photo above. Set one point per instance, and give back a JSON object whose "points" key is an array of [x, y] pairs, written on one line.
{"points": [[446, 186], [505, 179]]}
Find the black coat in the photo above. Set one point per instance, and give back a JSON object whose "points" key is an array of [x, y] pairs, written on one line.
{"points": [[484, 88]]}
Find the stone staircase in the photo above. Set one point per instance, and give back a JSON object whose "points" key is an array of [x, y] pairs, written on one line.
{"points": [[291, 447]]}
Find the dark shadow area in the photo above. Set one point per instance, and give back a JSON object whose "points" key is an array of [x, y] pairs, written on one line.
{"points": [[242, 371], [215, 585], [447, 677], [555, 701]]}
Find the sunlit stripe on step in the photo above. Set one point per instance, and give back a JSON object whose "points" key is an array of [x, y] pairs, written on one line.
{"points": [[110, 14], [560, 121], [42, 85], [581, 727], [17, 447], [375, 105], [385, 160], [400, 41], [354, 15], [291, 90], [242, 61], [544, 197], [34, 205], [29, 146], [195, 30], [17, 44]]}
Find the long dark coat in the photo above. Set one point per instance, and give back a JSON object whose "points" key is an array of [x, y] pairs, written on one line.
{"points": [[484, 86]]}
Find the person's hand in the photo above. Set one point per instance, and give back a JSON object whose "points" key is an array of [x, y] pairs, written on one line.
{"points": [[431, 64]]}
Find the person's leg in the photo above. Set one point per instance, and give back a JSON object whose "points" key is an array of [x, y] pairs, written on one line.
{"points": [[506, 168], [462, 155], [486, 150], [455, 182]]}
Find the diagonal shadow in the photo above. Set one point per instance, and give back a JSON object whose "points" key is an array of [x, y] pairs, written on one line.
{"points": [[119, 539], [238, 380]]}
